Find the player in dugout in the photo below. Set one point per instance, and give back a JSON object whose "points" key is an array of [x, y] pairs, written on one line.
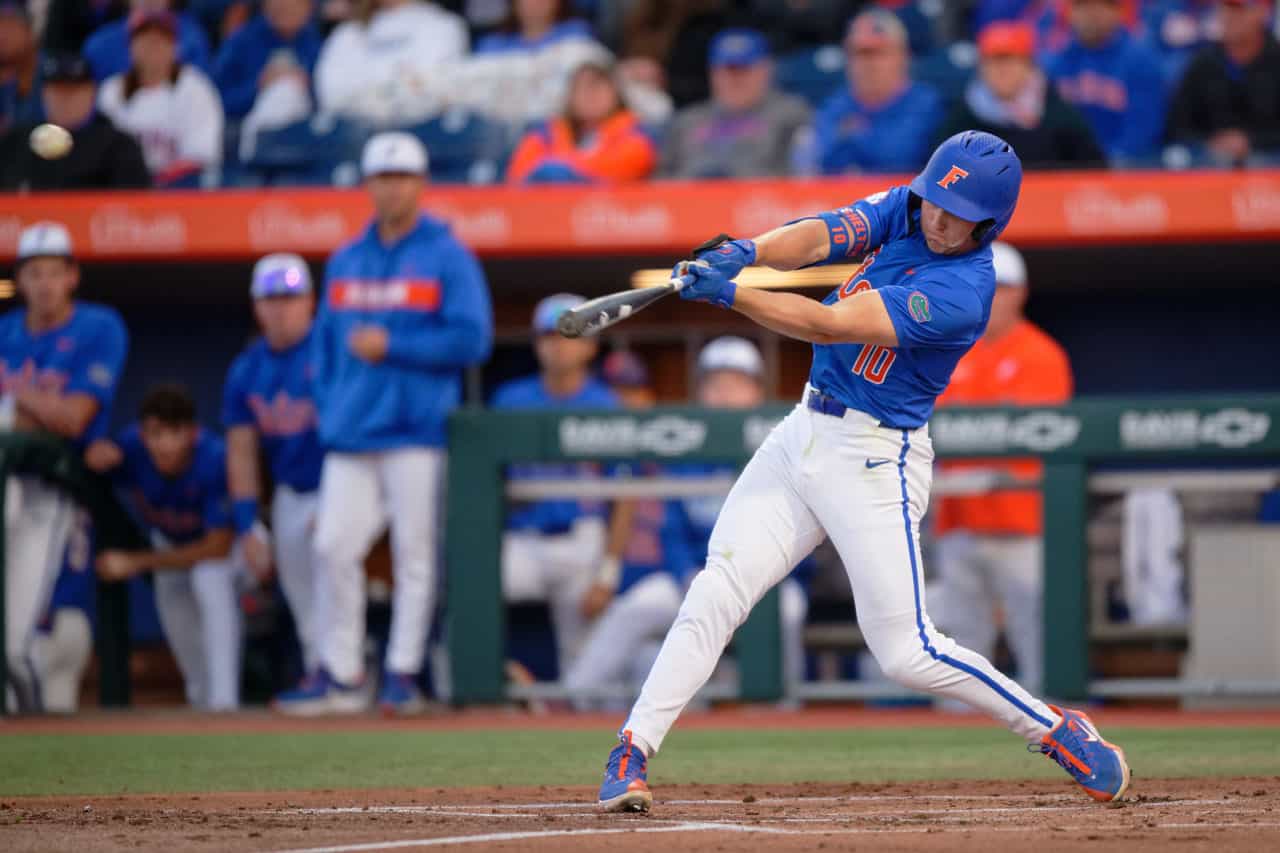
{"points": [[60, 365]]}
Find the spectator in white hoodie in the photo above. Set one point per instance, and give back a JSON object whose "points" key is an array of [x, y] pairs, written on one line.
{"points": [[384, 65], [172, 109]]}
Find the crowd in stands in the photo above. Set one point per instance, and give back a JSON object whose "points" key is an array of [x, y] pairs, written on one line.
{"points": [[269, 92]]}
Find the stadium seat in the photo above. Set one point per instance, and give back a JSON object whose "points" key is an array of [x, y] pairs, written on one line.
{"points": [[307, 152], [812, 74], [948, 71], [463, 147]]}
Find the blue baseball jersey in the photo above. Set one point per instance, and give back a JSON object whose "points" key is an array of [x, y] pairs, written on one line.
{"points": [[549, 516], [271, 391], [185, 507], [939, 305], [657, 542], [85, 355]]}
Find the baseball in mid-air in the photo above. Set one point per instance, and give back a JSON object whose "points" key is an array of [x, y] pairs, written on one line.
{"points": [[51, 141]]}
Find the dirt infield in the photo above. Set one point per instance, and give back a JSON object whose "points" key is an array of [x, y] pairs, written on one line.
{"points": [[1183, 815]]}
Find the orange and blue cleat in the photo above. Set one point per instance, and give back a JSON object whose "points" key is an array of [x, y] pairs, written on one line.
{"points": [[625, 788], [1099, 767]]}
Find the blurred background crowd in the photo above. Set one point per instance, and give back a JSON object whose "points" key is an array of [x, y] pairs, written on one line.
{"points": [[284, 92]]}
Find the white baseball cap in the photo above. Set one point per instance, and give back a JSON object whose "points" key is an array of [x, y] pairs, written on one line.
{"points": [[731, 353], [281, 274], [393, 152], [1011, 270], [44, 240]]}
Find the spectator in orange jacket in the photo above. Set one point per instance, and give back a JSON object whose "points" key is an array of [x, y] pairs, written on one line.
{"points": [[990, 546], [596, 140]]}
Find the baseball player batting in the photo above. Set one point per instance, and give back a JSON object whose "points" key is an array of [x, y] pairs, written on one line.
{"points": [[853, 460]]}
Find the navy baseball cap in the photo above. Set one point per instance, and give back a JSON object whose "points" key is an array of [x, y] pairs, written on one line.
{"points": [[548, 311], [65, 68], [738, 48]]}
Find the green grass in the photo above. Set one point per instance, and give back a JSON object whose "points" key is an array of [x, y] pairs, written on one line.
{"points": [[107, 764]]}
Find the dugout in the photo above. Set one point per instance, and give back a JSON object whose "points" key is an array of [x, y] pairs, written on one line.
{"points": [[1153, 282]]}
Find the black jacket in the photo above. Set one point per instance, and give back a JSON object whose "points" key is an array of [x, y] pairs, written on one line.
{"points": [[1208, 100], [102, 157], [1062, 140]]}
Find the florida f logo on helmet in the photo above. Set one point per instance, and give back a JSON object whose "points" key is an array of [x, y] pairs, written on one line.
{"points": [[951, 177]]}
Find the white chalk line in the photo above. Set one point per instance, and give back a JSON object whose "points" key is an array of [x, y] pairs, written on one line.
{"points": [[740, 828]]}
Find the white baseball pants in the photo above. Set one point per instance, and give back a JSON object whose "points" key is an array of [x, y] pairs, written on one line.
{"points": [[977, 571], [199, 611], [557, 569], [293, 536], [359, 494], [38, 520], [866, 487]]}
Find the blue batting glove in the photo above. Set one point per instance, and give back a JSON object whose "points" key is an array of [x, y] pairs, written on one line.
{"points": [[729, 258], [702, 283]]}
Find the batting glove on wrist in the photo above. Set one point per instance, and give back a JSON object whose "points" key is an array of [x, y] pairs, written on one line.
{"points": [[730, 258], [701, 283]]}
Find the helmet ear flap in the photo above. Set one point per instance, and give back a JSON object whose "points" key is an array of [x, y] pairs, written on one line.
{"points": [[982, 229]]}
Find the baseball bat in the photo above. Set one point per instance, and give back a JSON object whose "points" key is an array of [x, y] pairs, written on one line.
{"points": [[592, 317]]}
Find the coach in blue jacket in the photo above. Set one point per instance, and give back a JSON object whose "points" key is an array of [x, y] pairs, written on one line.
{"points": [[405, 309]]}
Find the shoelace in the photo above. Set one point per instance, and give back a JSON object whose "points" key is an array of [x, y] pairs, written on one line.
{"points": [[1045, 749]]}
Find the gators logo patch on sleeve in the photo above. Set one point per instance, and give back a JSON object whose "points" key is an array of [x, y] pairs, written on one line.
{"points": [[918, 305]]}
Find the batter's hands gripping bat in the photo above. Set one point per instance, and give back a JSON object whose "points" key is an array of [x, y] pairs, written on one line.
{"points": [[592, 317]]}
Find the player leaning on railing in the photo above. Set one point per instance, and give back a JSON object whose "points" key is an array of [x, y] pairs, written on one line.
{"points": [[853, 461]]}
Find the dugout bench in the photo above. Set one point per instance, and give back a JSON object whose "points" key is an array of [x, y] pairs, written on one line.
{"points": [[1071, 440]]}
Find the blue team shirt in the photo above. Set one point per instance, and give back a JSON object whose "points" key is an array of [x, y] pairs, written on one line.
{"points": [[1120, 90], [271, 391], [185, 507], [529, 393], [893, 137], [85, 355], [939, 305]]}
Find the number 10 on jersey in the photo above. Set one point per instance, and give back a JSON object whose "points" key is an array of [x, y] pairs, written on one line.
{"points": [[873, 363]]}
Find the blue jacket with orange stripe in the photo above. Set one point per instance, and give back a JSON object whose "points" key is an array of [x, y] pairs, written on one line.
{"points": [[428, 291]]}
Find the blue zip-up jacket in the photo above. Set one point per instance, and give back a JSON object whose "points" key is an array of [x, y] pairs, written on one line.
{"points": [[428, 291], [1120, 90], [245, 54]]}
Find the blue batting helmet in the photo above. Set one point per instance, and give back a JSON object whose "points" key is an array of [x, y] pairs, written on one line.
{"points": [[976, 176]]}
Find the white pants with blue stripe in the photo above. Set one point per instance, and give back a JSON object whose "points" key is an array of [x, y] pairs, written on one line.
{"points": [[866, 487]]}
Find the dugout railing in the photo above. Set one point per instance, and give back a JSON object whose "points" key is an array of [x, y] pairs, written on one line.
{"points": [[1071, 440]]}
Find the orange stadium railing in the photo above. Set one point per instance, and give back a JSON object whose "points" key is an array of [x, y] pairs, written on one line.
{"points": [[1056, 210]]}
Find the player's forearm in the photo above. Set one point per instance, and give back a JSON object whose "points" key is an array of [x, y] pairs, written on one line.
{"points": [[793, 246], [242, 463], [214, 545], [787, 314], [66, 415]]}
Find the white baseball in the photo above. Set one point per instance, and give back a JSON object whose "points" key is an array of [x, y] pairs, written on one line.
{"points": [[51, 141]]}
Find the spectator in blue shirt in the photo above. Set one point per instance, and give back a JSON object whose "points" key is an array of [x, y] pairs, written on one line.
{"points": [[108, 49], [1177, 30], [19, 77], [533, 25], [283, 41], [884, 121], [1113, 79]]}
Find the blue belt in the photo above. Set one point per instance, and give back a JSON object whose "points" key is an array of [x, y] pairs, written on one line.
{"points": [[828, 405]]}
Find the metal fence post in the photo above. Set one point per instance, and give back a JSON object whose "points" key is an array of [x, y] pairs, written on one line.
{"points": [[759, 646]]}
